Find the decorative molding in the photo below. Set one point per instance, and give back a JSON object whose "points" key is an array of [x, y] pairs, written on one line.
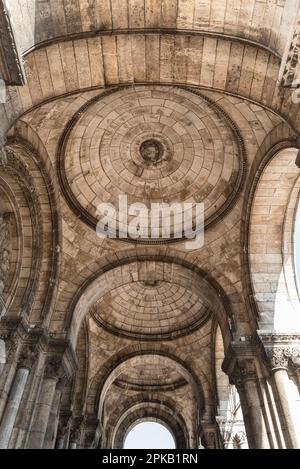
{"points": [[282, 350], [20, 171], [284, 357], [5, 248], [11, 348], [76, 430], [17, 143], [3, 155], [28, 357], [12, 67], [290, 62], [152, 31], [244, 370], [53, 368]]}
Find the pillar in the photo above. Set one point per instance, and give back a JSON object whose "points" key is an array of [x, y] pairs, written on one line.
{"points": [[44, 404], [8, 370], [2, 355], [63, 431], [246, 380], [26, 359], [281, 360], [12, 406], [51, 432]]}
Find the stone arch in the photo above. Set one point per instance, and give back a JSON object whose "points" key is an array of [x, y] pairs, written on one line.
{"points": [[37, 212], [91, 290], [10, 246], [197, 70], [155, 411], [141, 400], [110, 370], [274, 202], [104, 17]]}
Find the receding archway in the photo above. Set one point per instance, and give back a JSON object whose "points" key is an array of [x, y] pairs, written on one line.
{"points": [[149, 435], [271, 243]]}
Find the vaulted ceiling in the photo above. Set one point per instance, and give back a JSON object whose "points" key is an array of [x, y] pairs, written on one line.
{"points": [[263, 21]]}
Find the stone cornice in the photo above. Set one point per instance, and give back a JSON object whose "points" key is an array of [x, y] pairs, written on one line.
{"points": [[50, 344], [13, 71]]}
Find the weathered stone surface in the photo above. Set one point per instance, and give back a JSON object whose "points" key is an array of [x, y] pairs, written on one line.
{"points": [[163, 101]]}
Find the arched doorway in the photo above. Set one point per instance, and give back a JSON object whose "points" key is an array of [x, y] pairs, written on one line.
{"points": [[149, 435]]}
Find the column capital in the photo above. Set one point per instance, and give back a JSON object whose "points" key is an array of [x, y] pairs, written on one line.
{"points": [[28, 356], [54, 367], [240, 360], [282, 350], [76, 430], [63, 424], [244, 370], [90, 429], [283, 357], [210, 435]]}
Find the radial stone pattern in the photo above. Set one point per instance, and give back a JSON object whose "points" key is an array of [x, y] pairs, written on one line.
{"points": [[150, 371], [155, 309], [154, 144]]}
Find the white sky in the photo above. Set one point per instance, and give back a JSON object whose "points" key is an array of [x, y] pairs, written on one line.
{"points": [[149, 435]]}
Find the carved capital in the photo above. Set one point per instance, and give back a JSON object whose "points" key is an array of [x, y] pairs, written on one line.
{"points": [[209, 440], [290, 62], [11, 345], [63, 426], [283, 357], [76, 431], [282, 350], [91, 424], [27, 357], [243, 371], [53, 368]]}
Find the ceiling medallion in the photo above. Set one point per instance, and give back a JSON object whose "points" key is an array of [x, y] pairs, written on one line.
{"points": [[152, 151]]}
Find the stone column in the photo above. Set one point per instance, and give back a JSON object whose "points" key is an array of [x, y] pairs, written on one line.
{"points": [[50, 437], [75, 433], [26, 360], [91, 432], [281, 358], [2, 355], [44, 404], [9, 369], [63, 431], [246, 381]]}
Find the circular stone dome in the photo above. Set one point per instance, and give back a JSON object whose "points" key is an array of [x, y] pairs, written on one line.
{"points": [[156, 144], [154, 310]]}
